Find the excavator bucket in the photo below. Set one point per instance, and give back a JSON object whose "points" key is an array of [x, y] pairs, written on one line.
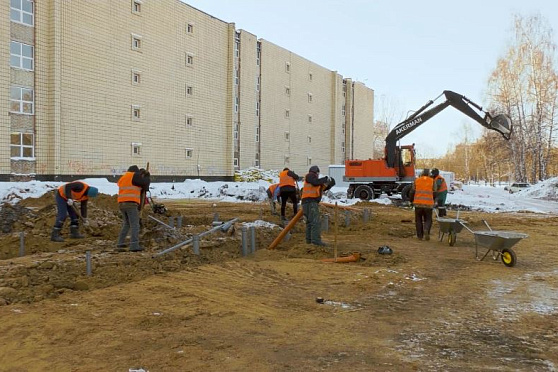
{"points": [[502, 124]]}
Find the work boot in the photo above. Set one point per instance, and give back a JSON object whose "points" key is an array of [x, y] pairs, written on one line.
{"points": [[121, 248], [74, 233], [321, 244], [55, 235], [427, 236]]}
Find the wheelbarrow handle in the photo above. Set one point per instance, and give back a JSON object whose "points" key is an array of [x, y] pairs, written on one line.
{"points": [[486, 223]]}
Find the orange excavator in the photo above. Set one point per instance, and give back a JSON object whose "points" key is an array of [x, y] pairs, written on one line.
{"points": [[395, 173]]}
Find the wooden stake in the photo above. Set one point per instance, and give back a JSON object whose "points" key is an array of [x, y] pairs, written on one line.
{"points": [[336, 231]]}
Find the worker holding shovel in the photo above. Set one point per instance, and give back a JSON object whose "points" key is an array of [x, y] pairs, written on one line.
{"points": [[66, 196], [312, 191]]}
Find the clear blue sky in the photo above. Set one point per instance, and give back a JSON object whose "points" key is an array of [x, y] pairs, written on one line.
{"points": [[409, 51]]}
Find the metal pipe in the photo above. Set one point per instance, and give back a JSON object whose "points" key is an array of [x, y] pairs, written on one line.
{"points": [[224, 227], [196, 244], [161, 222], [253, 239], [88, 263]]}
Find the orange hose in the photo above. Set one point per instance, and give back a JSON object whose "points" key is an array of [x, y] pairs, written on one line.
{"points": [[355, 257], [284, 232]]}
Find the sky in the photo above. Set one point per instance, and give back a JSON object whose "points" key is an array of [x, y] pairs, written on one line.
{"points": [[408, 51]]}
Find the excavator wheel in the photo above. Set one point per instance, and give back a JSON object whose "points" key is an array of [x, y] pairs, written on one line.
{"points": [[364, 192], [405, 193]]}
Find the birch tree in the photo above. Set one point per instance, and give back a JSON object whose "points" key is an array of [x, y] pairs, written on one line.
{"points": [[524, 85]]}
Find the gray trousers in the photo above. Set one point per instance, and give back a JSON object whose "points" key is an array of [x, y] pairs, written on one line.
{"points": [[130, 220], [313, 222]]}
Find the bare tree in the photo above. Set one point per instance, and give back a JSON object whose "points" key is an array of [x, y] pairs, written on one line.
{"points": [[524, 84]]}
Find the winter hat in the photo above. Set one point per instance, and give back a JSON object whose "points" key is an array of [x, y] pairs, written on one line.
{"points": [[92, 191], [314, 169]]}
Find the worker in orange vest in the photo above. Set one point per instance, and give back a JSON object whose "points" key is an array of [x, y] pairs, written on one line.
{"points": [[422, 195], [130, 186], [440, 191], [312, 191], [66, 196], [273, 194], [287, 183]]}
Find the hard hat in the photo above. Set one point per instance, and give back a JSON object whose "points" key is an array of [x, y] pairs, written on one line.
{"points": [[434, 172]]}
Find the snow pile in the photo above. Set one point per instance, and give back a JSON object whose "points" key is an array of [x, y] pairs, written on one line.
{"points": [[543, 190]]}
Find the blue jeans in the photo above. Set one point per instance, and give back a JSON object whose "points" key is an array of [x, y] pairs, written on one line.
{"points": [[130, 221], [63, 210]]}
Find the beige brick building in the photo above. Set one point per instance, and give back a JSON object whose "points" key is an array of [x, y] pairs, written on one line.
{"points": [[95, 86]]}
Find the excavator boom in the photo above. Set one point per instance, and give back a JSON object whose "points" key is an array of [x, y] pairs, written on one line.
{"points": [[500, 123]]}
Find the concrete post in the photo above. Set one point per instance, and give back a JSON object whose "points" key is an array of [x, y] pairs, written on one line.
{"points": [[347, 218], [366, 215], [325, 223], [88, 263], [171, 222], [244, 241], [179, 222], [196, 244]]}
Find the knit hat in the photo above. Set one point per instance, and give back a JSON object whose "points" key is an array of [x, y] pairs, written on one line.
{"points": [[92, 191]]}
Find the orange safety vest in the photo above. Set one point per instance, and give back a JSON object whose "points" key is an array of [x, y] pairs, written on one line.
{"points": [[272, 188], [424, 195], [128, 192], [77, 196], [443, 185], [311, 191], [285, 180]]}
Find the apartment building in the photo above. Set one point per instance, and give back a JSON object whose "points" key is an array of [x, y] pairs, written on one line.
{"points": [[93, 87]]}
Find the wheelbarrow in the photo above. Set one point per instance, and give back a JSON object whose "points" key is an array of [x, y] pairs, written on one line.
{"points": [[450, 226], [497, 242]]}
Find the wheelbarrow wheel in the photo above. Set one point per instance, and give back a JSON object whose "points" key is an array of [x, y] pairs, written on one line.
{"points": [[452, 238], [508, 257]]}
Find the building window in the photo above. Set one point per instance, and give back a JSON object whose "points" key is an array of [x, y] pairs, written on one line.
{"points": [[287, 136], [236, 130], [342, 146], [22, 145], [309, 97], [22, 100], [189, 121], [309, 139], [308, 160], [258, 108], [310, 118], [287, 159], [257, 83], [287, 67], [257, 134], [21, 56], [136, 149], [21, 11], [236, 104], [310, 76], [257, 160], [190, 28], [136, 6], [344, 88], [235, 162], [189, 90], [189, 153], [287, 114], [136, 42], [343, 128], [236, 77], [189, 59], [258, 53], [136, 112], [287, 91], [136, 77], [343, 110]]}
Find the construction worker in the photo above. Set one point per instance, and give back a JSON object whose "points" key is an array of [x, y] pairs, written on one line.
{"points": [[66, 196], [288, 186], [311, 197], [440, 191], [130, 186], [273, 192], [422, 195]]}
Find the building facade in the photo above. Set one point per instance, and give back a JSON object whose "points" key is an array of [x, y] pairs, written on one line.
{"points": [[92, 89]]}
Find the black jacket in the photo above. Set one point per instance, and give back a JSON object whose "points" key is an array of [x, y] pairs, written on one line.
{"points": [[312, 178]]}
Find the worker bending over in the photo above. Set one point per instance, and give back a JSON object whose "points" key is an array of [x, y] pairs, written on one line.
{"points": [[66, 196], [287, 183], [273, 192]]}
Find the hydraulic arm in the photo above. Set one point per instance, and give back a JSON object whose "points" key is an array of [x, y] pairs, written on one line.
{"points": [[500, 123]]}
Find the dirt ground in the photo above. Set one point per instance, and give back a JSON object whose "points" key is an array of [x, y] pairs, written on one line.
{"points": [[426, 307]]}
